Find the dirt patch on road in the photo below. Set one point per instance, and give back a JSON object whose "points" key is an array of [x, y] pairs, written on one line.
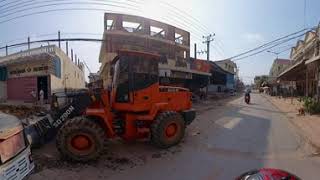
{"points": [[20, 111], [120, 156]]}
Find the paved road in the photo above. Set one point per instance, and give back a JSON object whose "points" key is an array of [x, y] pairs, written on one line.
{"points": [[223, 142], [234, 139]]}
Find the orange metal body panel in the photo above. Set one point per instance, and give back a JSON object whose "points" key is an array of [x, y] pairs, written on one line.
{"points": [[102, 109], [177, 99], [143, 105], [140, 108]]}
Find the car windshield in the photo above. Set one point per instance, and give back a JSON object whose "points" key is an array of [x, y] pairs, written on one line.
{"points": [[175, 89]]}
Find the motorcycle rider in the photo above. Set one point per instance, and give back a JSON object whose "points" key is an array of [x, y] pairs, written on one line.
{"points": [[247, 93]]}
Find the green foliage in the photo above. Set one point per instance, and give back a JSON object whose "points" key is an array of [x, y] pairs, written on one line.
{"points": [[311, 105]]}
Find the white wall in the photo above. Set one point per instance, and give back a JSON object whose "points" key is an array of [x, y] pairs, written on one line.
{"points": [[72, 77], [57, 84]]}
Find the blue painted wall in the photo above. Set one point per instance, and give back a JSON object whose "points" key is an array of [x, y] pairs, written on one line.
{"points": [[230, 81]]}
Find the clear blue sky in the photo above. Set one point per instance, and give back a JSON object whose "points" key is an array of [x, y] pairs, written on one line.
{"points": [[238, 25]]}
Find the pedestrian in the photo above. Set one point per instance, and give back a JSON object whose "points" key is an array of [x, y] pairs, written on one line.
{"points": [[41, 95], [34, 96]]}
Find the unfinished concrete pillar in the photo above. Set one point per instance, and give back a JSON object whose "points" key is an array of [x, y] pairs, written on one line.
{"points": [[118, 22], [171, 33]]}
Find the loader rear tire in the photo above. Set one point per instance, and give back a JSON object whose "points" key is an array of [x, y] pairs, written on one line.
{"points": [[168, 129], [81, 140]]}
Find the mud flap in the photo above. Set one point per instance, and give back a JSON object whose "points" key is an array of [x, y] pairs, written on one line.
{"points": [[189, 116]]}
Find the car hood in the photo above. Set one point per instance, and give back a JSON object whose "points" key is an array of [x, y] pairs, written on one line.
{"points": [[9, 125]]}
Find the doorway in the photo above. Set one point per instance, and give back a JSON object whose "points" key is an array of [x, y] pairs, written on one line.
{"points": [[43, 84]]}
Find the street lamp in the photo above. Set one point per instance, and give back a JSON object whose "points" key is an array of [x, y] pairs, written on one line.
{"points": [[276, 53]]}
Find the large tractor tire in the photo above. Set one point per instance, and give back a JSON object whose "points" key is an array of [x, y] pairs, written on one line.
{"points": [[81, 140], [168, 129]]}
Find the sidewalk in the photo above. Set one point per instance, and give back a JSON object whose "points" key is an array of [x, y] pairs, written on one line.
{"points": [[308, 126]]}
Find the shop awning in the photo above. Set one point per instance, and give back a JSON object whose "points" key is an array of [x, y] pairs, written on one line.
{"points": [[294, 73], [316, 58]]}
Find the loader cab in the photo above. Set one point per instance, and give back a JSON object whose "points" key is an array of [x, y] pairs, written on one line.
{"points": [[135, 80]]}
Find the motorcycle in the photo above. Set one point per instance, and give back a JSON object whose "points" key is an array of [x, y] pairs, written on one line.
{"points": [[247, 98], [267, 174]]}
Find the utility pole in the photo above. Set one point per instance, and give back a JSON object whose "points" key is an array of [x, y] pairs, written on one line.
{"points": [[208, 40], [72, 55], [28, 43], [59, 39], [195, 51], [67, 48]]}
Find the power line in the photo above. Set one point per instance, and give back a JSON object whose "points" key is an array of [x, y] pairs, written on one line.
{"points": [[282, 51], [267, 44], [52, 34], [184, 23], [32, 3], [217, 50], [66, 3], [9, 3], [16, 6], [57, 4], [57, 10], [204, 28], [284, 41], [187, 14], [54, 40]]}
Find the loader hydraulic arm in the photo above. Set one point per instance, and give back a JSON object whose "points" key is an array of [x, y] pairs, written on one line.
{"points": [[72, 105]]}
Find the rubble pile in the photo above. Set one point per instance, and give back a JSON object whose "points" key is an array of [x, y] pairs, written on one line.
{"points": [[20, 111]]}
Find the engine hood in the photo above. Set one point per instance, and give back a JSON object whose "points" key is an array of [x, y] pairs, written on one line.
{"points": [[9, 125]]}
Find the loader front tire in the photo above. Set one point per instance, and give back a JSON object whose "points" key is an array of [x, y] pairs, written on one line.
{"points": [[81, 140], [168, 129]]}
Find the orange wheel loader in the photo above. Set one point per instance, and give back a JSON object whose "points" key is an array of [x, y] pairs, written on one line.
{"points": [[134, 107]]}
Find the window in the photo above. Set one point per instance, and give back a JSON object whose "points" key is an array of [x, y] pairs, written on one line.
{"points": [[57, 66], [132, 26], [157, 32], [178, 38], [110, 24]]}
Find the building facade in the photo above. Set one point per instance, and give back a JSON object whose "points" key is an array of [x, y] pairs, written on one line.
{"points": [[45, 68], [232, 75], [220, 80], [127, 32], [304, 69], [277, 87]]}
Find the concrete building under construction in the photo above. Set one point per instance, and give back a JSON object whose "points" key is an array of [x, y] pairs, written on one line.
{"points": [[127, 32]]}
